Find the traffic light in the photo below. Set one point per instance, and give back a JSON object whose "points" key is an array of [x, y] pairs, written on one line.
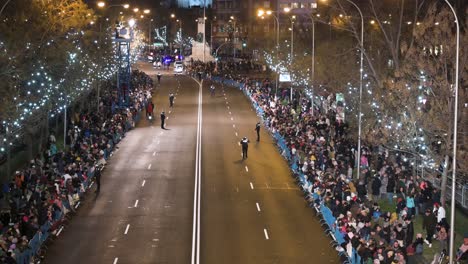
{"points": [[244, 43]]}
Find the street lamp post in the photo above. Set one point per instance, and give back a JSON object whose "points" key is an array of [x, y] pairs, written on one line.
{"points": [[179, 21], [455, 127], [361, 70], [260, 14], [102, 5], [292, 56], [216, 53], [233, 19], [312, 70]]}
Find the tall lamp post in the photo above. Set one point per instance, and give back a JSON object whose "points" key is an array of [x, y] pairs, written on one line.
{"points": [[261, 13], [361, 70], [292, 18], [181, 37], [233, 20], [455, 127], [102, 5], [312, 70]]}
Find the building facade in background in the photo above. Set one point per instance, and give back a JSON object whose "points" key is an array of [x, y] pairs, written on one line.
{"points": [[236, 21], [190, 3]]}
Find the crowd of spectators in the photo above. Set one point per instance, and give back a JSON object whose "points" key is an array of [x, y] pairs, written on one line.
{"points": [[319, 146], [224, 68], [47, 190]]}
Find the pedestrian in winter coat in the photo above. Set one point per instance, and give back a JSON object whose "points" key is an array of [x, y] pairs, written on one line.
{"points": [[429, 224], [376, 184], [390, 188]]}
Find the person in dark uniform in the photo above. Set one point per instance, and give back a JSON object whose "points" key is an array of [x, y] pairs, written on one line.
{"points": [[159, 77], [171, 99], [163, 119], [257, 128], [245, 147], [97, 178]]}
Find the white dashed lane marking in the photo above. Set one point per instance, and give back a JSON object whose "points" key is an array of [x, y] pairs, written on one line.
{"points": [[136, 203], [251, 186], [116, 260], [258, 207], [246, 169], [266, 234], [126, 229], [149, 166], [143, 183]]}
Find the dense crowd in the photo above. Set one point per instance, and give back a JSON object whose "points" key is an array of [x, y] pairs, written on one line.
{"points": [[49, 187], [224, 68], [318, 145]]}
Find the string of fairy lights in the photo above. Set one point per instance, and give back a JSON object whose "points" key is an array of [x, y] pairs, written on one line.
{"points": [[41, 92], [404, 133]]}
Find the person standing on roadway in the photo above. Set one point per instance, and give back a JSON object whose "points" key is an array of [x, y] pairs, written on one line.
{"points": [[163, 119], [97, 178], [245, 147], [257, 128], [159, 77], [171, 100], [212, 90]]}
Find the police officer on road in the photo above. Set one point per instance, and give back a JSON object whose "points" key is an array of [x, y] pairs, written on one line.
{"points": [[159, 77], [245, 147], [163, 119], [171, 99], [257, 128]]}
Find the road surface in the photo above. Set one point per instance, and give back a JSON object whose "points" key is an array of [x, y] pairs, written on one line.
{"points": [[248, 212]]}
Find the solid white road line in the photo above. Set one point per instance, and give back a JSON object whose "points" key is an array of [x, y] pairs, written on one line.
{"points": [[116, 260], [197, 192], [149, 166], [251, 186], [246, 169], [136, 203], [143, 183], [126, 229], [266, 234], [258, 207]]}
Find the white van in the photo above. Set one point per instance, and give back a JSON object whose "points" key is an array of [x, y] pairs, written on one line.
{"points": [[178, 67]]}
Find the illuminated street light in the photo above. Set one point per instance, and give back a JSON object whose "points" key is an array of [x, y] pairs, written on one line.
{"points": [[136, 9], [101, 4], [126, 6], [172, 15], [146, 11], [131, 22]]}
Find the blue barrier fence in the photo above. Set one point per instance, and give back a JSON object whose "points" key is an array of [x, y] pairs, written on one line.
{"points": [[327, 216], [35, 244]]}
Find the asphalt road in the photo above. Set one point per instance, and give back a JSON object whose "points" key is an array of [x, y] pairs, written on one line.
{"points": [[250, 211]]}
